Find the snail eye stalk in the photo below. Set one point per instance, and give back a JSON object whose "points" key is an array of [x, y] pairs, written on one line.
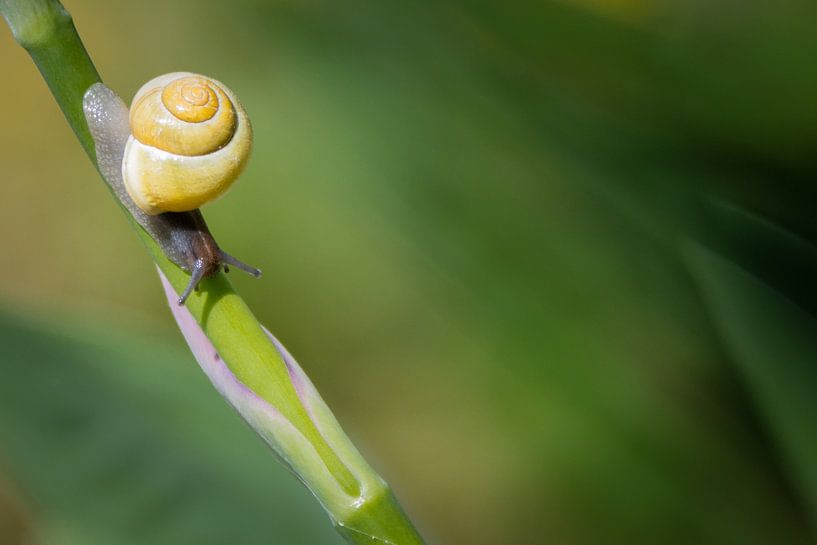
{"points": [[196, 276], [227, 259]]}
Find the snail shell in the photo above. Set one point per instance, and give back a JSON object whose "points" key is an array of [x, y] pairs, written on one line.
{"points": [[190, 139]]}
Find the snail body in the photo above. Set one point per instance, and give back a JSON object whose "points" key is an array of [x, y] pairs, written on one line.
{"points": [[163, 193]]}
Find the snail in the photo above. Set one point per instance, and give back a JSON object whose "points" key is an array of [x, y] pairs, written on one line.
{"points": [[184, 142]]}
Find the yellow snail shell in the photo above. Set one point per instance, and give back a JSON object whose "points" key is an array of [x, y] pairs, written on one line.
{"points": [[190, 139]]}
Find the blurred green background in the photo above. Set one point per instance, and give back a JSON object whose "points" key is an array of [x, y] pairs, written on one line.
{"points": [[551, 263]]}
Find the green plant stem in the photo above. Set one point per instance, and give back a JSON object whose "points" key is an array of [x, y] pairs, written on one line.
{"points": [[45, 29]]}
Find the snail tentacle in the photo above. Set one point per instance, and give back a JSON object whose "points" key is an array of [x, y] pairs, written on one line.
{"points": [[195, 278], [227, 259]]}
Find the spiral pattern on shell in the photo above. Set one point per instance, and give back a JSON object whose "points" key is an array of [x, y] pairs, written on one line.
{"points": [[190, 141], [191, 99]]}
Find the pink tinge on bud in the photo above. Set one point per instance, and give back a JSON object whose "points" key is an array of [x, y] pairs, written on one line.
{"points": [[216, 369], [286, 440]]}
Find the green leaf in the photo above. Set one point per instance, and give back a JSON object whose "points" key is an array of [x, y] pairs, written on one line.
{"points": [[773, 343]]}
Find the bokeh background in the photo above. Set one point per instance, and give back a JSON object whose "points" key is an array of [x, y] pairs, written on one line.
{"points": [[551, 263]]}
